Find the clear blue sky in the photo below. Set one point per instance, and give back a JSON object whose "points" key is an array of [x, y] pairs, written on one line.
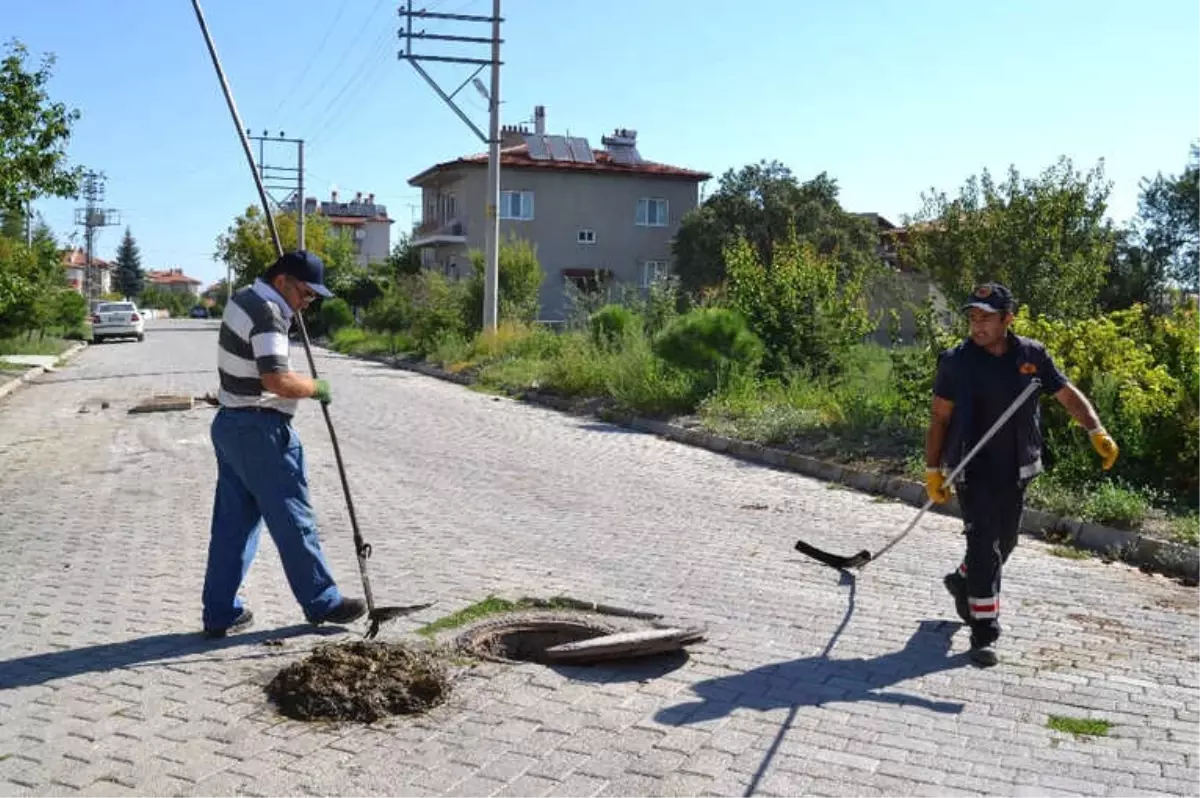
{"points": [[890, 98]]}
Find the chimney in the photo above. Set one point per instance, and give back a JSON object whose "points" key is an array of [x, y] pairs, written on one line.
{"points": [[333, 195], [371, 198], [512, 136], [539, 119], [358, 196]]}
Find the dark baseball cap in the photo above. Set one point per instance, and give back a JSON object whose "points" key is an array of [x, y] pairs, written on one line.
{"points": [[992, 297], [305, 267]]}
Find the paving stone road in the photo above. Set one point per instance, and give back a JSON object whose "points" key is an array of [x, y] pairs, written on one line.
{"points": [[809, 683]]}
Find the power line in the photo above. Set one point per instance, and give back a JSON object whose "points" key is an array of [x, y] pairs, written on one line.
{"points": [[350, 48], [311, 60], [492, 139]]}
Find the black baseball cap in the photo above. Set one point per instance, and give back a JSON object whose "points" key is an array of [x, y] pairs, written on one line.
{"points": [[992, 297], [305, 267]]}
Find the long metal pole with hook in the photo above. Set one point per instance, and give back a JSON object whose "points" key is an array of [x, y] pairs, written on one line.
{"points": [[362, 548]]}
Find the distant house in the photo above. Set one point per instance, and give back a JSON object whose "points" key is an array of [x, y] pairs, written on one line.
{"points": [[365, 221], [92, 282], [593, 215], [173, 280]]}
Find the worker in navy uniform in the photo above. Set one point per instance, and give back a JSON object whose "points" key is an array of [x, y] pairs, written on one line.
{"points": [[976, 382]]}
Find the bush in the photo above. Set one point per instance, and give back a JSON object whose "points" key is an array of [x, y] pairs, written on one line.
{"points": [[520, 279], [712, 343], [808, 309], [611, 324], [427, 305], [357, 341], [335, 314]]}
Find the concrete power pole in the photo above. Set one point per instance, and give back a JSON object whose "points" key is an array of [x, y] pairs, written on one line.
{"points": [[91, 217], [491, 279]]}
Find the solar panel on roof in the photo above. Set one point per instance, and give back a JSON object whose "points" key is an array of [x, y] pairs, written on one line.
{"points": [[537, 147], [581, 150], [557, 145]]}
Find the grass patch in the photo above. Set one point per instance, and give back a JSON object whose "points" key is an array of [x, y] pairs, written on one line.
{"points": [[1080, 727], [1069, 553], [1185, 529], [358, 341], [493, 605], [1109, 503], [25, 345]]}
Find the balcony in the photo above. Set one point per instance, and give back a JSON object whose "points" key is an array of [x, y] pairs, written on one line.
{"points": [[440, 232]]}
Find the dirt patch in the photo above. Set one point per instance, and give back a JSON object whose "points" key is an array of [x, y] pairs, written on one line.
{"points": [[361, 681]]}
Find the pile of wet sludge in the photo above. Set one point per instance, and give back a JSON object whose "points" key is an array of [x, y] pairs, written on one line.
{"points": [[361, 681]]}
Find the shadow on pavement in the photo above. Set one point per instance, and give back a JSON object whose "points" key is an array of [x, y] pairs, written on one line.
{"points": [[814, 681], [642, 669], [38, 669]]}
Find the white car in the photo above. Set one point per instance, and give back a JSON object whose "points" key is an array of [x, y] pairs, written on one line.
{"points": [[117, 320]]}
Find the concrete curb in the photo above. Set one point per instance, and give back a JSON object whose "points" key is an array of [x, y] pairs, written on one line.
{"points": [[16, 382], [1149, 554]]}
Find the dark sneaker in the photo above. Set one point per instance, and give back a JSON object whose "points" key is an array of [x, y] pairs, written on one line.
{"points": [[956, 586], [240, 623], [351, 609], [983, 656]]}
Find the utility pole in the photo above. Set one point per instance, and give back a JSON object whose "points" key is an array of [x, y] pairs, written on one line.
{"points": [[492, 139], [283, 178], [91, 217]]}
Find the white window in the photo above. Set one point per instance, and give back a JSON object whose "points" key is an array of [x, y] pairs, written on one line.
{"points": [[516, 205], [651, 213], [587, 236], [653, 271]]}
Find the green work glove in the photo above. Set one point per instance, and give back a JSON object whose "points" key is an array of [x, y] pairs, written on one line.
{"points": [[323, 393]]}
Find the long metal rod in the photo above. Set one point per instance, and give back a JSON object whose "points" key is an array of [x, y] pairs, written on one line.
{"points": [[237, 123], [363, 549]]}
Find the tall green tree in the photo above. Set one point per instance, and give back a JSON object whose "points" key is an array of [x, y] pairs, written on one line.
{"points": [[765, 204], [1046, 238], [131, 280], [33, 134], [1169, 221], [248, 249]]}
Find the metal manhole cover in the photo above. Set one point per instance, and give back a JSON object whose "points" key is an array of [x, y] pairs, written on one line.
{"points": [[623, 645]]}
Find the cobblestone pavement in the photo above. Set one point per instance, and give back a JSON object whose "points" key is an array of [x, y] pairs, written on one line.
{"points": [[809, 683]]}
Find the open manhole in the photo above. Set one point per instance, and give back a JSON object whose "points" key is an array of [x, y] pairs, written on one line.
{"points": [[568, 638]]}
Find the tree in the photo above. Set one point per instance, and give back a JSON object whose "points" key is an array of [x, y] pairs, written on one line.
{"points": [[1169, 221], [29, 278], [519, 278], [405, 258], [33, 135], [1045, 238], [765, 204], [131, 280], [248, 249]]}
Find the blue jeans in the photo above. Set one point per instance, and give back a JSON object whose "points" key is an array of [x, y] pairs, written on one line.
{"points": [[261, 477]]}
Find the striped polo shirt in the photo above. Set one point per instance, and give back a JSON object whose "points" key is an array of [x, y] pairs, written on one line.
{"points": [[254, 341]]}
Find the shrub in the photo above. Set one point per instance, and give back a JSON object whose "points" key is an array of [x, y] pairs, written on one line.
{"points": [[611, 324], [808, 309], [520, 279], [335, 314], [712, 343]]}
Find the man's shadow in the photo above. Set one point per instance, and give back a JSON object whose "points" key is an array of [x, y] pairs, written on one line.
{"points": [[817, 680], [38, 669]]}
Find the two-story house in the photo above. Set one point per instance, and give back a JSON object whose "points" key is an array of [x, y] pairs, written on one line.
{"points": [[92, 282], [365, 221], [594, 215], [173, 281]]}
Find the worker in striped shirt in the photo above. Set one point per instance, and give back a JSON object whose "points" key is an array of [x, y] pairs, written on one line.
{"points": [[260, 461]]}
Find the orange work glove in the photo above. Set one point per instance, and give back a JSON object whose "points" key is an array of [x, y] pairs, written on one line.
{"points": [[1105, 446], [936, 487]]}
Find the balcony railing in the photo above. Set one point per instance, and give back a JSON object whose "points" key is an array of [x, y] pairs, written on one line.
{"points": [[447, 230]]}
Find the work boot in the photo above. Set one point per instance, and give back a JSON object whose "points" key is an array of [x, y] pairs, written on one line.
{"points": [[983, 640], [351, 609], [956, 586], [240, 623]]}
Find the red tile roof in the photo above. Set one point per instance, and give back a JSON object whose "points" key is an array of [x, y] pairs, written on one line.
{"points": [[170, 276], [76, 258], [517, 157]]}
